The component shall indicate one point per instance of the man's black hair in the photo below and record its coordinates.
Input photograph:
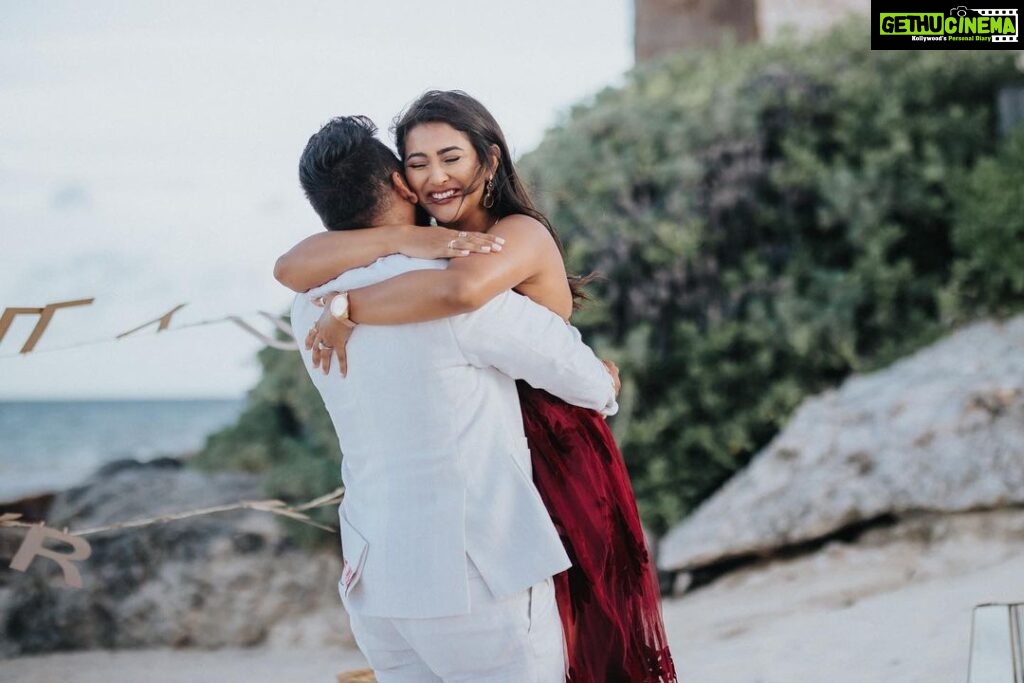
(345, 172)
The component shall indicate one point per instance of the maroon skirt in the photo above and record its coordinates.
(608, 599)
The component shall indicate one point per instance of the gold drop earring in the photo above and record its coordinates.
(489, 193)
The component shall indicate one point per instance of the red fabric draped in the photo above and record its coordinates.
(609, 599)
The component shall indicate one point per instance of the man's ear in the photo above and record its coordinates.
(402, 188)
(495, 159)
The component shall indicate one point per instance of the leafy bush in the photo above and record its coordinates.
(771, 219)
(988, 237)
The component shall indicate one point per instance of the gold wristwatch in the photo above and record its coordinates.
(339, 308)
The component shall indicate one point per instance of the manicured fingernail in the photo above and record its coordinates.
(486, 250)
(464, 252)
(497, 247)
(500, 240)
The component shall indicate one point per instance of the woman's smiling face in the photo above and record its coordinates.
(444, 171)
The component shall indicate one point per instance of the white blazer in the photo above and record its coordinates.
(435, 462)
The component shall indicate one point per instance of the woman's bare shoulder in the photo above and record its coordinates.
(547, 285)
(527, 230)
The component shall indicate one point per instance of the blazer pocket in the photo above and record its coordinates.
(353, 553)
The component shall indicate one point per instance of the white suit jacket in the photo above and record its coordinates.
(435, 462)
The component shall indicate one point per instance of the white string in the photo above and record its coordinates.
(274, 506)
(234, 318)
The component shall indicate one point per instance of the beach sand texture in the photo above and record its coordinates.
(849, 613)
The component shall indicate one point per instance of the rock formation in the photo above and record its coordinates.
(939, 431)
(215, 580)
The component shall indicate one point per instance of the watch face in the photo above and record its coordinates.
(339, 306)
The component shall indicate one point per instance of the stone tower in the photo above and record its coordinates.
(666, 26)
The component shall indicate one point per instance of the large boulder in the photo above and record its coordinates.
(941, 430)
(227, 578)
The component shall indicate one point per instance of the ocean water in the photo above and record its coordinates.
(48, 445)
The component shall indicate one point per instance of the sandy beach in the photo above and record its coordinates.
(898, 610)
(845, 615)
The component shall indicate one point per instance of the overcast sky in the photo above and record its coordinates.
(148, 155)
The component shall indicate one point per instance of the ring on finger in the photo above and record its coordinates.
(451, 244)
(323, 347)
(462, 235)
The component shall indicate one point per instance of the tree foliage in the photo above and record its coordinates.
(770, 219)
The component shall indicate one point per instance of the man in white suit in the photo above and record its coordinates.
(448, 549)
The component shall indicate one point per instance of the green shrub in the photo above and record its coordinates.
(771, 219)
(988, 237)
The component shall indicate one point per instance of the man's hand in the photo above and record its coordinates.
(614, 372)
(328, 337)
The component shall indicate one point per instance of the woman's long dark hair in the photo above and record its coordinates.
(466, 114)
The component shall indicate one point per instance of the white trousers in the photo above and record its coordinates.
(517, 639)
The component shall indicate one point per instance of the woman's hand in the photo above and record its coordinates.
(438, 242)
(328, 337)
